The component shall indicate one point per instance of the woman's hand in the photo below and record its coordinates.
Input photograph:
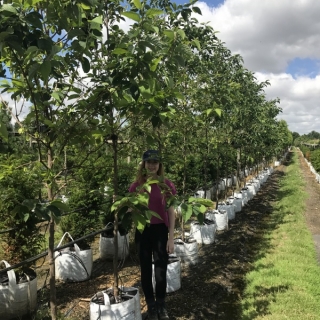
(170, 246)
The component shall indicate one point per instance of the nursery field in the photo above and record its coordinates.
(214, 288)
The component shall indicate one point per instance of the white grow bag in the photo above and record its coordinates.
(204, 233)
(199, 194)
(251, 190)
(173, 275)
(102, 309)
(17, 299)
(236, 202)
(230, 210)
(243, 195)
(221, 220)
(106, 247)
(73, 265)
(187, 251)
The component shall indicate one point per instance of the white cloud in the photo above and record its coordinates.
(269, 34)
(300, 99)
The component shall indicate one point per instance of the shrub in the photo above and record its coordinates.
(18, 183)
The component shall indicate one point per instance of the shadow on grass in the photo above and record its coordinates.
(262, 300)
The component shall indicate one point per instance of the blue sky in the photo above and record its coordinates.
(279, 42)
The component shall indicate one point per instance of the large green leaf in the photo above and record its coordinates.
(196, 10)
(119, 51)
(45, 70)
(154, 12)
(131, 15)
(137, 3)
(8, 9)
(85, 65)
(60, 205)
(139, 221)
(186, 211)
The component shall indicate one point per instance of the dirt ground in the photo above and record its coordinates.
(212, 289)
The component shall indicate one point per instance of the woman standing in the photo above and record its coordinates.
(157, 238)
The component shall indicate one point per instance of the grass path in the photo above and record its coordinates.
(285, 280)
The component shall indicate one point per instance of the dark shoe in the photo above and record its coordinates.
(163, 313)
(152, 313)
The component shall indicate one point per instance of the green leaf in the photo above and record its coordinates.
(119, 51)
(60, 205)
(196, 43)
(150, 213)
(85, 6)
(154, 12)
(34, 19)
(54, 209)
(8, 8)
(45, 44)
(96, 23)
(201, 208)
(137, 3)
(200, 218)
(143, 199)
(196, 10)
(218, 111)
(45, 70)
(131, 15)
(186, 211)
(30, 203)
(85, 65)
(75, 33)
(56, 96)
(154, 64)
(179, 60)
(33, 69)
(3, 131)
(26, 217)
(181, 33)
(139, 221)
(97, 20)
(169, 34)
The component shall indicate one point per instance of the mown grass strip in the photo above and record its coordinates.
(285, 280)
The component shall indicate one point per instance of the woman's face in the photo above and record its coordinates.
(152, 166)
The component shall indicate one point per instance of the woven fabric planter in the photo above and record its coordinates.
(221, 220)
(251, 190)
(106, 247)
(73, 264)
(230, 210)
(17, 299)
(236, 202)
(102, 308)
(173, 274)
(187, 251)
(203, 234)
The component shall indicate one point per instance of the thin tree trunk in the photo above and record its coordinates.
(116, 221)
(217, 184)
(52, 282)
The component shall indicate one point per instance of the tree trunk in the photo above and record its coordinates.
(116, 221)
(52, 282)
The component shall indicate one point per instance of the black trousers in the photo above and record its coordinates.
(153, 242)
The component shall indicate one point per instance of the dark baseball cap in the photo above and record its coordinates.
(151, 155)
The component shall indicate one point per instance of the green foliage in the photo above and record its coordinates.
(19, 180)
(195, 207)
(304, 149)
(315, 159)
